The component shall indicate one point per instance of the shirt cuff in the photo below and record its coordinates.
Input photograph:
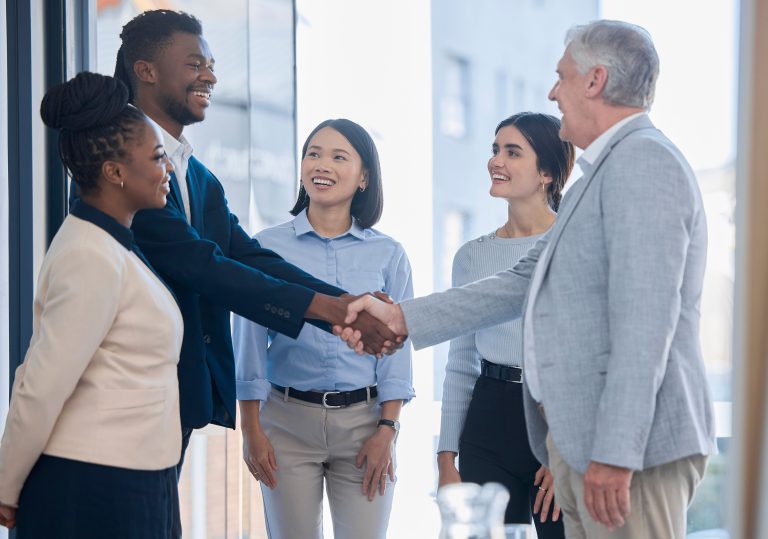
(449, 441)
(252, 390)
(390, 390)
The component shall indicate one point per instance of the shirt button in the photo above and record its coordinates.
(207, 339)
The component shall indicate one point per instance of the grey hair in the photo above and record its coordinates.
(626, 51)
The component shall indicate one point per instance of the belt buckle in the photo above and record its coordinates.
(325, 396)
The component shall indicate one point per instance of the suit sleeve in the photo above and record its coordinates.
(463, 310)
(248, 251)
(72, 324)
(649, 210)
(178, 252)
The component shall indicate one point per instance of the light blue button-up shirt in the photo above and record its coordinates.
(360, 260)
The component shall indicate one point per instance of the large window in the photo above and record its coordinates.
(248, 141)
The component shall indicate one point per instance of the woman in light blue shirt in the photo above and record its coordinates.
(313, 412)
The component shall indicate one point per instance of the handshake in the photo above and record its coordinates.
(368, 323)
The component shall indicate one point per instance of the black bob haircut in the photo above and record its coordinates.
(366, 205)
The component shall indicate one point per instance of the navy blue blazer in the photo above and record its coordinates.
(214, 267)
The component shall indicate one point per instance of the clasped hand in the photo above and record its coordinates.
(381, 309)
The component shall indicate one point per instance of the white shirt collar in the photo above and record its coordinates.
(174, 147)
(592, 151)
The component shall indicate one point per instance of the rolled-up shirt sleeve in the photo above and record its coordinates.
(250, 344)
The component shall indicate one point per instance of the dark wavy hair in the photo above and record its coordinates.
(94, 120)
(367, 205)
(146, 35)
(553, 155)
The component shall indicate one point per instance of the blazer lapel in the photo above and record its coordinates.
(574, 196)
(176, 193)
(195, 197)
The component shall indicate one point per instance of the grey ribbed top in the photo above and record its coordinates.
(503, 344)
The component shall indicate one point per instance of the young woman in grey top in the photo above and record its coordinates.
(482, 413)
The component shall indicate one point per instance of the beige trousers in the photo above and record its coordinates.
(315, 447)
(659, 498)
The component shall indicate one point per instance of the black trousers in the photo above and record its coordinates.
(67, 499)
(494, 447)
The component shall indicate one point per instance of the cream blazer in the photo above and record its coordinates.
(98, 383)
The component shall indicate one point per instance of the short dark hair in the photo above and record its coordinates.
(366, 205)
(95, 121)
(554, 156)
(146, 35)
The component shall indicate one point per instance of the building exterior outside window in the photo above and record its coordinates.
(455, 104)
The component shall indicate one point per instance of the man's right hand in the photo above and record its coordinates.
(366, 306)
(374, 336)
(446, 465)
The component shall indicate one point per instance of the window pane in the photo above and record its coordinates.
(248, 141)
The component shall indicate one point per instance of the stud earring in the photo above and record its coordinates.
(362, 188)
(122, 185)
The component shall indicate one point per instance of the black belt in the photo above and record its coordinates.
(330, 399)
(506, 373)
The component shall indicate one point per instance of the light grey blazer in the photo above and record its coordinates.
(616, 319)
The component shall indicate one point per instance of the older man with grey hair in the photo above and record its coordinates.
(616, 397)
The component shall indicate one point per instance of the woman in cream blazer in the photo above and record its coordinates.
(93, 432)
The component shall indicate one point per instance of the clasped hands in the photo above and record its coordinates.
(379, 308)
(368, 323)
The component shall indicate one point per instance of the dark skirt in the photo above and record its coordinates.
(64, 499)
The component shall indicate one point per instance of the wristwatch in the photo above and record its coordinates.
(395, 424)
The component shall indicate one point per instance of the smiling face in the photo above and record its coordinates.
(185, 79)
(569, 92)
(513, 167)
(331, 170)
(145, 170)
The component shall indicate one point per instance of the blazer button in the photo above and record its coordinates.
(273, 310)
(287, 314)
(207, 339)
(267, 306)
(280, 312)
